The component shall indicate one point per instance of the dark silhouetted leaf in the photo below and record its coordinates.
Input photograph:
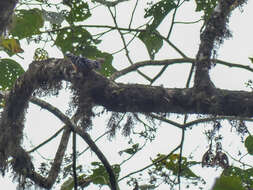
(152, 42)
(251, 59)
(131, 150)
(159, 11)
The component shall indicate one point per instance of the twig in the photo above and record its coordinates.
(181, 153)
(135, 66)
(74, 160)
(85, 136)
(46, 141)
(125, 44)
(187, 22)
(159, 74)
(173, 19)
(148, 166)
(132, 15)
(178, 125)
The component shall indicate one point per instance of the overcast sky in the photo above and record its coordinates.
(41, 124)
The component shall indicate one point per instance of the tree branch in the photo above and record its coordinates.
(110, 3)
(6, 11)
(215, 32)
(85, 136)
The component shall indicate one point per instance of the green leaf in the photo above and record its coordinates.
(80, 42)
(79, 11)
(11, 46)
(100, 175)
(172, 164)
(75, 40)
(107, 68)
(147, 187)
(251, 59)
(132, 150)
(27, 23)
(40, 54)
(152, 42)
(69, 184)
(249, 144)
(10, 70)
(159, 11)
(244, 175)
(207, 6)
(228, 183)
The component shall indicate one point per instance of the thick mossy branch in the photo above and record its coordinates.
(91, 88)
(214, 34)
(12, 118)
(45, 75)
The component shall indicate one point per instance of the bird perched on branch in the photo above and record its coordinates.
(82, 63)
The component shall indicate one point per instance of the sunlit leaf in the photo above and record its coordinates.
(249, 144)
(27, 23)
(40, 54)
(10, 70)
(11, 46)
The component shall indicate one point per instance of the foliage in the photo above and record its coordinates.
(98, 176)
(239, 176)
(10, 70)
(27, 23)
(158, 12)
(11, 46)
(206, 6)
(171, 164)
(249, 144)
(231, 182)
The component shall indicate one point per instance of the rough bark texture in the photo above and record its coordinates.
(6, 11)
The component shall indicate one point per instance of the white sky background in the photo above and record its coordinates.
(41, 124)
